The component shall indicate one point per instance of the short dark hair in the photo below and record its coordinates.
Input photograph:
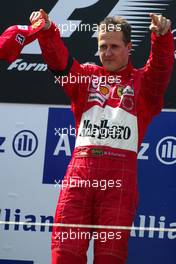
(116, 23)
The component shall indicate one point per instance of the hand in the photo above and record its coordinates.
(37, 15)
(159, 24)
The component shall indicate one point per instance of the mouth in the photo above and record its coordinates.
(108, 60)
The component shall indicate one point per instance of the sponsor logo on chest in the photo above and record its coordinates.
(104, 130)
(100, 91)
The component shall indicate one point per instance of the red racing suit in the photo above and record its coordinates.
(112, 112)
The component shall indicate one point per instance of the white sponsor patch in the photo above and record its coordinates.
(96, 97)
(113, 127)
(128, 90)
(23, 27)
(104, 90)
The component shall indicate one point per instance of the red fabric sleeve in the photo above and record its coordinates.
(53, 50)
(157, 71)
(61, 63)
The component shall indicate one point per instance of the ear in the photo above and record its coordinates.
(129, 46)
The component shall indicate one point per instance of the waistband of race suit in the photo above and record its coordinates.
(98, 151)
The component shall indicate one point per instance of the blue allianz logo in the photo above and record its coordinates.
(60, 143)
(166, 150)
(25, 143)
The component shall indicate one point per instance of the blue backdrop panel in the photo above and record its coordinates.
(157, 191)
(4, 261)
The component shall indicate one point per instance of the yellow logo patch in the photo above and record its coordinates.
(104, 90)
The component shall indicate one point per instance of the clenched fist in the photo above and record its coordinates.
(159, 24)
(41, 14)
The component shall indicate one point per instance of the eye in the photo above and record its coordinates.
(114, 46)
(102, 47)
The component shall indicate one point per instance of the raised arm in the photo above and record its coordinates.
(53, 50)
(57, 56)
(158, 69)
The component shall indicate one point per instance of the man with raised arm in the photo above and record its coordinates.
(112, 109)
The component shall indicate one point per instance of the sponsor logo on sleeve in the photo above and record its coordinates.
(20, 39)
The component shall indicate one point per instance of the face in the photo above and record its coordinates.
(113, 51)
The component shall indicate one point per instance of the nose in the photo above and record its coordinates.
(108, 51)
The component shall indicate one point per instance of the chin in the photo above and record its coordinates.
(110, 68)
